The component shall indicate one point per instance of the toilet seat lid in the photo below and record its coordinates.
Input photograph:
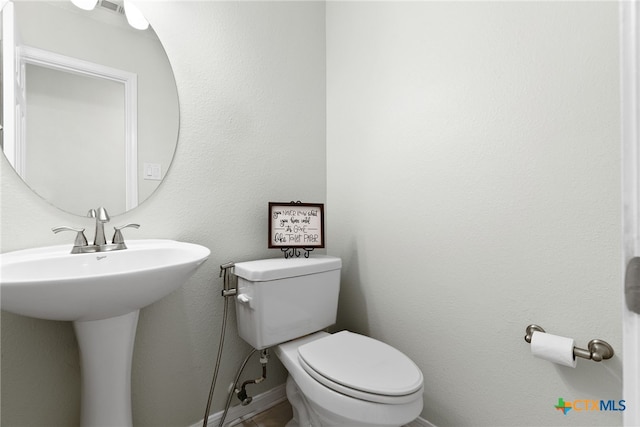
(362, 364)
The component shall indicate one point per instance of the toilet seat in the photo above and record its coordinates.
(362, 367)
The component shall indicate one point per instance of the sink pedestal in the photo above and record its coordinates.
(106, 351)
(102, 294)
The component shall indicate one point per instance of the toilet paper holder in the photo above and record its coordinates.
(598, 350)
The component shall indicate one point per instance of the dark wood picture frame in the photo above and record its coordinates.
(296, 225)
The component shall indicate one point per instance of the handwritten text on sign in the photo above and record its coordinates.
(296, 225)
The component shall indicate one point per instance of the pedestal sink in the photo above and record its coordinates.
(102, 294)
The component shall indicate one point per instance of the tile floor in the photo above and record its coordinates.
(276, 416)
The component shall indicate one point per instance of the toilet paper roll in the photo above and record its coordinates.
(553, 348)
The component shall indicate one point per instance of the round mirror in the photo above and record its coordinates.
(90, 106)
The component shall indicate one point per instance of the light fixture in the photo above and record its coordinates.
(85, 4)
(135, 18)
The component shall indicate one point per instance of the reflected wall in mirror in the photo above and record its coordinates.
(91, 114)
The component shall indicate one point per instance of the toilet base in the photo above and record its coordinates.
(315, 405)
(299, 405)
(306, 414)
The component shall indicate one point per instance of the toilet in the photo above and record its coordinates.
(341, 379)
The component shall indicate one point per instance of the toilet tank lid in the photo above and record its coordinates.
(280, 268)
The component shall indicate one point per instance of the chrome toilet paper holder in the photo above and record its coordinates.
(598, 350)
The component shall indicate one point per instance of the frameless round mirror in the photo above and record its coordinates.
(90, 106)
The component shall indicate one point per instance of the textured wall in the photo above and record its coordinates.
(474, 188)
(251, 82)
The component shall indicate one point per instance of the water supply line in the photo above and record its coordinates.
(242, 393)
(232, 389)
(225, 271)
(264, 357)
(228, 291)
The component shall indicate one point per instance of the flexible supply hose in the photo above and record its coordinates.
(227, 292)
(235, 381)
(217, 367)
(242, 393)
(224, 270)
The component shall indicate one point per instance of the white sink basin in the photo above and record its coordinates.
(102, 294)
(50, 283)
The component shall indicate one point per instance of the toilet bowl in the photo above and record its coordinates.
(346, 379)
(342, 379)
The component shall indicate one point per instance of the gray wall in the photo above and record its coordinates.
(474, 188)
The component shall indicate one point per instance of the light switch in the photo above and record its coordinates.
(153, 171)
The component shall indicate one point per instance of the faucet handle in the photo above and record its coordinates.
(81, 239)
(117, 236)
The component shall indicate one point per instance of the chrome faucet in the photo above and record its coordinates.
(81, 246)
(101, 217)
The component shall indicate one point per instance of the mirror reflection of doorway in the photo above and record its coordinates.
(73, 116)
(99, 44)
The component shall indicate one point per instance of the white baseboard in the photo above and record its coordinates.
(239, 413)
(264, 401)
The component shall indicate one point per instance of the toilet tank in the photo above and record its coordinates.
(281, 299)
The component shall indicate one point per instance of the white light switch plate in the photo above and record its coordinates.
(153, 171)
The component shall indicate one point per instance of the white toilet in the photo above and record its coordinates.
(342, 379)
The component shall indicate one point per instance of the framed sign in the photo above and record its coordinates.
(296, 225)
